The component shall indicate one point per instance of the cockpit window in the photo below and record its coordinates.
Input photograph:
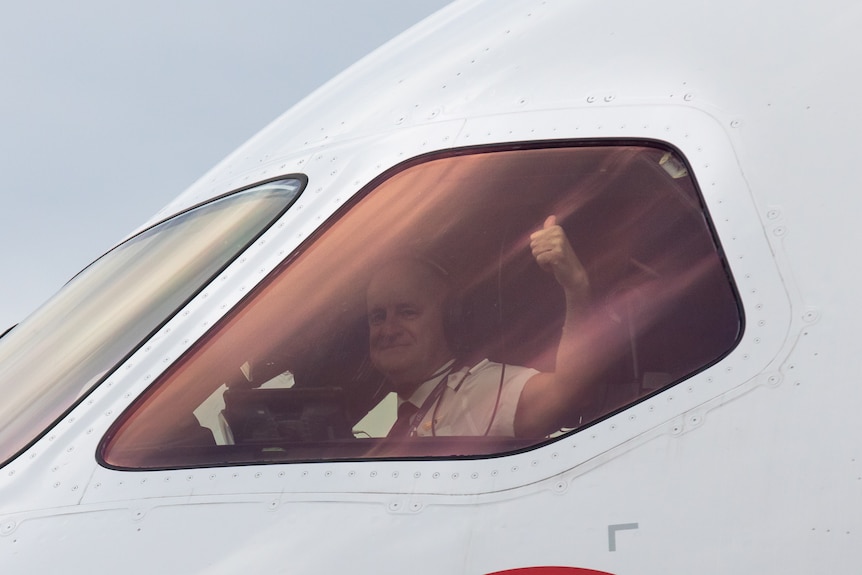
(469, 304)
(54, 357)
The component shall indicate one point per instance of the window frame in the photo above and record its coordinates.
(462, 151)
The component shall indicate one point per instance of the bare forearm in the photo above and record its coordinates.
(550, 398)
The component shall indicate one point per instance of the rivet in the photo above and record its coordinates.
(811, 316)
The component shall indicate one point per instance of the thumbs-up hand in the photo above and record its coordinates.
(554, 254)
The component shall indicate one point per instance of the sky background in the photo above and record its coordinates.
(109, 109)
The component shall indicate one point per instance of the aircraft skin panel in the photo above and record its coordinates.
(516, 68)
(750, 465)
(643, 421)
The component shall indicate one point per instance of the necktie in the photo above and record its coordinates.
(402, 424)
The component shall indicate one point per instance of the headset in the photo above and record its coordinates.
(454, 320)
(454, 328)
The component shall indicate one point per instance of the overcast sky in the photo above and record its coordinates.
(109, 109)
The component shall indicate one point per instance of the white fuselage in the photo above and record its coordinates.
(751, 465)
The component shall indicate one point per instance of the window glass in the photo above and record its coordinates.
(60, 352)
(503, 297)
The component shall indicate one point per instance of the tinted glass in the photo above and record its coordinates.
(305, 369)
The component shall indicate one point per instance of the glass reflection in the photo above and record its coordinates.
(436, 283)
(61, 351)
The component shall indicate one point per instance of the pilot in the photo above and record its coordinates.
(406, 301)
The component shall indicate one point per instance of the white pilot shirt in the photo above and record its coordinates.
(470, 400)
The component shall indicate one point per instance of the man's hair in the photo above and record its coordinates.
(452, 309)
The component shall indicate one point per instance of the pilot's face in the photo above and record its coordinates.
(405, 318)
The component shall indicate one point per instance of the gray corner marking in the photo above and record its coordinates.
(612, 533)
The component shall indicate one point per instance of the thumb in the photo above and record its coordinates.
(549, 222)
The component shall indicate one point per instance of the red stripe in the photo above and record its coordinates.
(550, 571)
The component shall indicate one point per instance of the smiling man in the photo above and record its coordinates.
(408, 301)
